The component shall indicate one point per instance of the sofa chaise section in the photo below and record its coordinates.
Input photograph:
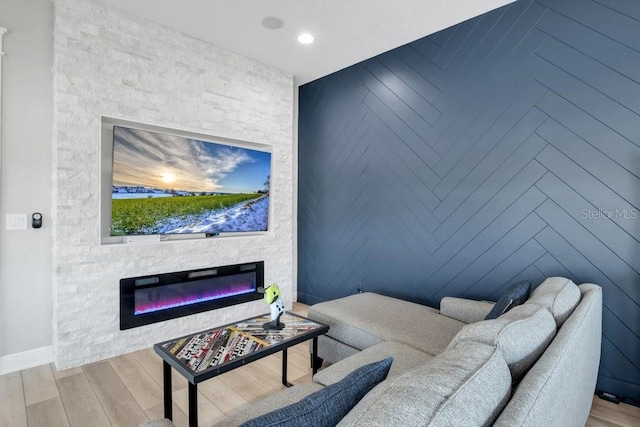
(363, 320)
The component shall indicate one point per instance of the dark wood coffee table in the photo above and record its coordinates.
(203, 355)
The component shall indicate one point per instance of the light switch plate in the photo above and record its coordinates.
(16, 222)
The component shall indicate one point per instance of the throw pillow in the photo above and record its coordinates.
(517, 294)
(328, 406)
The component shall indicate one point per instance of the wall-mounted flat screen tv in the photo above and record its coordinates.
(170, 184)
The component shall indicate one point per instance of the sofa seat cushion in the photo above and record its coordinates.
(467, 385)
(559, 295)
(522, 334)
(405, 358)
(279, 400)
(366, 319)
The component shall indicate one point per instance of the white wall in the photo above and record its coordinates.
(110, 63)
(25, 287)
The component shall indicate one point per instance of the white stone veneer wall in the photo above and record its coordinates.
(107, 62)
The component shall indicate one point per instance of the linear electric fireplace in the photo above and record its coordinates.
(150, 299)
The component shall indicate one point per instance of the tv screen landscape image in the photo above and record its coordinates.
(169, 184)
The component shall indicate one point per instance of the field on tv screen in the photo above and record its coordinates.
(189, 214)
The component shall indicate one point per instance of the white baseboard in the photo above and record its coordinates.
(26, 359)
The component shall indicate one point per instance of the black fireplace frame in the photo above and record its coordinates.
(129, 285)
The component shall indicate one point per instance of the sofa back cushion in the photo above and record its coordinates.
(467, 385)
(558, 295)
(522, 334)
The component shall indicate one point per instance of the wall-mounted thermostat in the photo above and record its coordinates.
(36, 220)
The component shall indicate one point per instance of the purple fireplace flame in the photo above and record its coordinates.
(171, 296)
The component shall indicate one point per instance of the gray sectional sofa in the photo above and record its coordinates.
(535, 365)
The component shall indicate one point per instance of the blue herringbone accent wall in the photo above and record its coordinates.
(504, 148)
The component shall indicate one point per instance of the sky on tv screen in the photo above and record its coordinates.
(157, 160)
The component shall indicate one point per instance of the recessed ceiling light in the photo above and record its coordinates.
(305, 38)
(272, 23)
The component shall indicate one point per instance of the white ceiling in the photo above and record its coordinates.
(346, 31)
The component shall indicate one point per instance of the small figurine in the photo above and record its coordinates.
(272, 297)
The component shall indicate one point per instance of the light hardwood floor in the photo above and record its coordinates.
(127, 390)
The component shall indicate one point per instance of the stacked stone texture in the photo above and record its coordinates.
(110, 63)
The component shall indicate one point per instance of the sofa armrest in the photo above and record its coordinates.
(465, 310)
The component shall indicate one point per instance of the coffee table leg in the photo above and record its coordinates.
(166, 379)
(314, 356)
(284, 369)
(193, 405)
